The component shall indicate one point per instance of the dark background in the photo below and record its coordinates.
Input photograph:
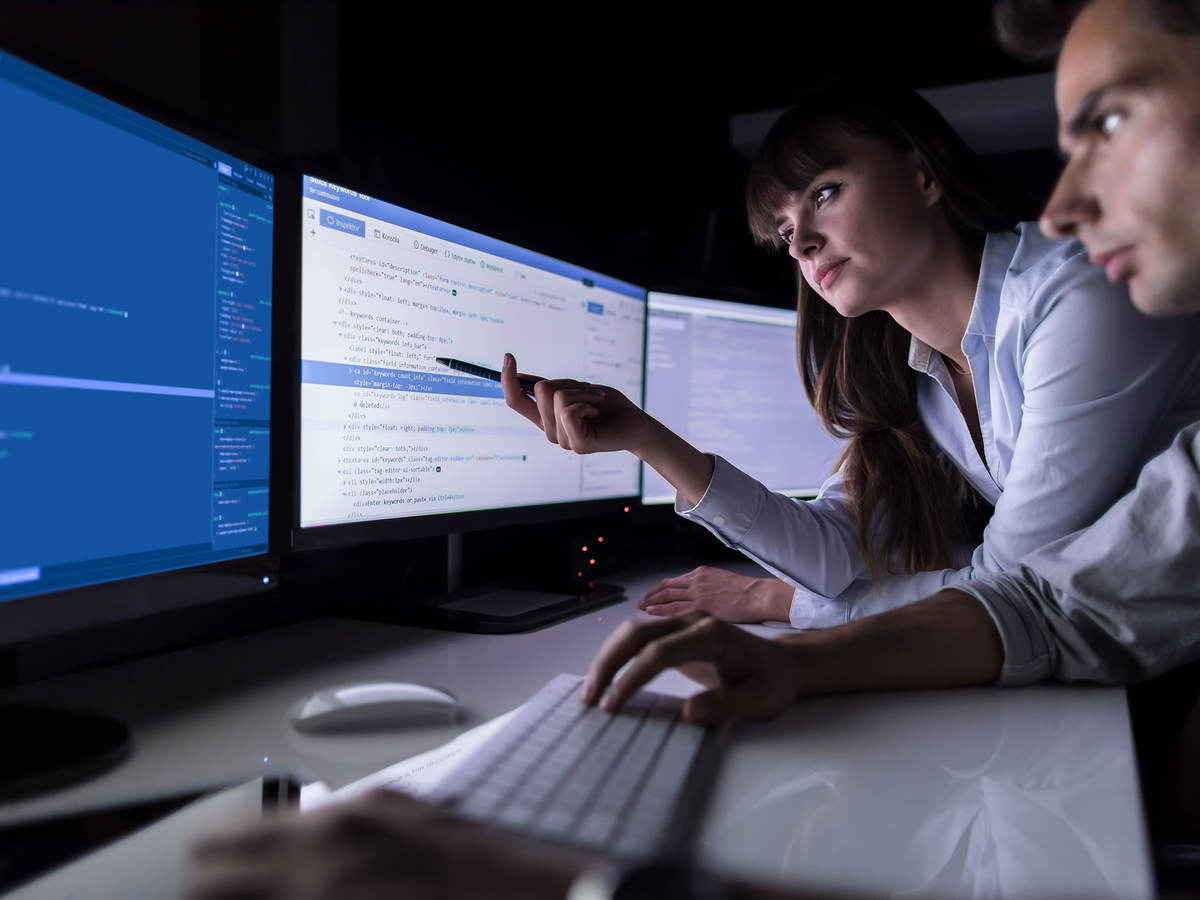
(592, 134)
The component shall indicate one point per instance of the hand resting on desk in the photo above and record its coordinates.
(726, 595)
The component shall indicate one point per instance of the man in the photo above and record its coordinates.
(1117, 602)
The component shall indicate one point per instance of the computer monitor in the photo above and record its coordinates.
(723, 375)
(135, 374)
(393, 443)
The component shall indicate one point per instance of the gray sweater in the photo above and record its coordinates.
(1117, 602)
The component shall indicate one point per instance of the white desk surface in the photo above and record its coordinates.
(981, 792)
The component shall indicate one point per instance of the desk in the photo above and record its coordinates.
(974, 792)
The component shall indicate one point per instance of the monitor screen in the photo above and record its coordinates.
(387, 433)
(135, 346)
(723, 375)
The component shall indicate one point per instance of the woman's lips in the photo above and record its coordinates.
(828, 276)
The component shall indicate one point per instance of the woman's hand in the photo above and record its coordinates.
(586, 418)
(589, 418)
(748, 677)
(381, 845)
(726, 595)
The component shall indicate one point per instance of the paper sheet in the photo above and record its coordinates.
(417, 775)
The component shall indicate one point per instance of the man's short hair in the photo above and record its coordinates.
(1036, 29)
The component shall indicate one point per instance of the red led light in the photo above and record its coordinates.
(591, 562)
(627, 509)
(584, 549)
(599, 540)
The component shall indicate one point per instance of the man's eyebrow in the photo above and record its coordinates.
(1079, 121)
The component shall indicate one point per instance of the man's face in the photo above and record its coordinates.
(1128, 98)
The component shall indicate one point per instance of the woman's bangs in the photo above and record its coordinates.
(793, 153)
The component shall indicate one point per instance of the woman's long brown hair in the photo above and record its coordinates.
(908, 500)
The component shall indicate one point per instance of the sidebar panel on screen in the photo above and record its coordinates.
(241, 424)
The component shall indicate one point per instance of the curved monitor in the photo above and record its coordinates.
(135, 347)
(723, 376)
(392, 443)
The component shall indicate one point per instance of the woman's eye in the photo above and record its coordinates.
(822, 195)
(786, 237)
(1108, 123)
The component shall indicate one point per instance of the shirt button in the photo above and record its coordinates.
(718, 521)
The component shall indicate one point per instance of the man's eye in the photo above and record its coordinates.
(1108, 123)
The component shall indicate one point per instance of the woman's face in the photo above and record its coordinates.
(863, 231)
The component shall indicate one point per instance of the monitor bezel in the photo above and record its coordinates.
(288, 207)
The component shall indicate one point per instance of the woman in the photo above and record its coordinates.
(960, 353)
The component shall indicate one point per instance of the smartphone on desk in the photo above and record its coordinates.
(133, 849)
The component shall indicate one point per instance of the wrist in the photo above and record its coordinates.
(771, 599)
(810, 663)
(648, 440)
(685, 468)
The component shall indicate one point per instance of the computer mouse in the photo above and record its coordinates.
(384, 704)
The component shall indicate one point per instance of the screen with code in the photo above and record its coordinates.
(385, 430)
(723, 375)
(135, 342)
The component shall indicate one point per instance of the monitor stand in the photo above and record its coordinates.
(504, 609)
(45, 748)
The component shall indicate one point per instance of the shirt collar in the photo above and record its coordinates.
(920, 355)
(998, 252)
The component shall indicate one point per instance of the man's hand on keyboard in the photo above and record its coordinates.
(381, 845)
(748, 677)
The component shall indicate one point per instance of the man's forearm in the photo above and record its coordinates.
(945, 640)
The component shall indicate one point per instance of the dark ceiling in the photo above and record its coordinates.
(596, 135)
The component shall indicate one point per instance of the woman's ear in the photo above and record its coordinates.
(930, 190)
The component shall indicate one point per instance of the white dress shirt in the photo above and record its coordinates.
(1075, 391)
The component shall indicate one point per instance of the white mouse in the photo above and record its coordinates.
(384, 704)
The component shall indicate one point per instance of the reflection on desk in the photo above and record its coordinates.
(1028, 794)
(1024, 792)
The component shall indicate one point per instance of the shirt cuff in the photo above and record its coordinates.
(730, 503)
(811, 610)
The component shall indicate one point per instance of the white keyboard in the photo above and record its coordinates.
(630, 784)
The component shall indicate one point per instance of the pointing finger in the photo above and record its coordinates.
(516, 398)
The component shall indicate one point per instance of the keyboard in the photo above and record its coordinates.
(630, 784)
